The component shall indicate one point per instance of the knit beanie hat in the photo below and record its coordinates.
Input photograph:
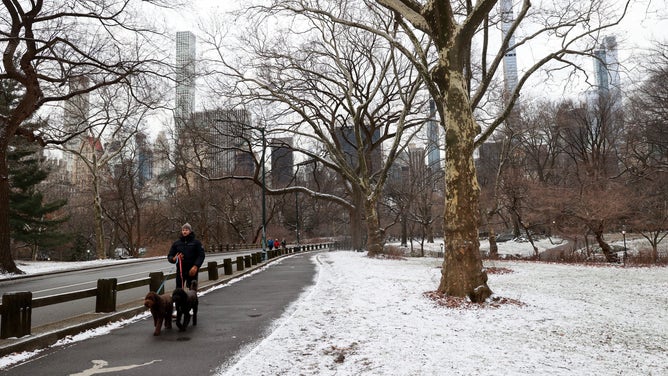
(187, 225)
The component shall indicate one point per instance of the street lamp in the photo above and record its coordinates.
(624, 237)
(297, 216)
(264, 205)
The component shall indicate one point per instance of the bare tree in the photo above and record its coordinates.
(343, 93)
(114, 114)
(646, 153)
(438, 38)
(127, 195)
(459, 91)
(48, 44)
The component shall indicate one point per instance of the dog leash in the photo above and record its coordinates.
(180, 261)
(161, 285)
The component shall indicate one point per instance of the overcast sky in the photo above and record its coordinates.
(644, 25)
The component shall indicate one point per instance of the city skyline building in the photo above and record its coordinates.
(433, 151)
(144, 160)
(606, 73)
(75, 117)
(223, 133)
(282, 162)
(186, 55)
(510, 57)
(348, 142)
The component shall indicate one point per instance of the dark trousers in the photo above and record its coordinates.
(188, 280)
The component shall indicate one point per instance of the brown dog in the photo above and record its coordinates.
(184, 302)
(161, 307)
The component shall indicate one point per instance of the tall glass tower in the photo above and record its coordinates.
(606, 70)
(510, 58)
(185, 77)
(433, 152)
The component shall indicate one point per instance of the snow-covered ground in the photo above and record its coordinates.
(370, 317)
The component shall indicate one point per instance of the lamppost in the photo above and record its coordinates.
(297, 216)
(264, 205)
(624, 237)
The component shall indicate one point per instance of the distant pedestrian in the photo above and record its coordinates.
(283, 244)
(270, 244)
(188, 255)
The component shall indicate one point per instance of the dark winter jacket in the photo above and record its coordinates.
(193, 252)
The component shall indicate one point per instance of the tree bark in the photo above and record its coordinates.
(610, 256)
(356, 241)
(493, 247)
(7, 263)
(374, 242)
(99, 225)
(462, 273)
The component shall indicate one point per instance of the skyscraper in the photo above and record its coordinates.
(144, 160)
(510, 58)
(433, 152)
(77, 107)
(606, 71)
(350, 149)
(282, 162)
(221, 135)
(185, 78)
(75, 119)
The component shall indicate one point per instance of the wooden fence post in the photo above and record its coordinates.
(240, 263)
(227, 266)
(16, 314)
(156, 282)
(213, 270)
(106, 295)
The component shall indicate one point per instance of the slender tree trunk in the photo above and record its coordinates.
(404, 230)
(99, 225)
(430, 231)
(462, 273)
(493, 247)
(610, 256)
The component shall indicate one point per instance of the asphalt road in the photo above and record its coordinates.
(229, 318)
(75, 280)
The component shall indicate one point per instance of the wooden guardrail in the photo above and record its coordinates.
(16, 307)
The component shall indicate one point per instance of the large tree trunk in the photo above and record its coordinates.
(462, 273)
(356, 238)
(7, 263)
(356, 222)
(375, 239)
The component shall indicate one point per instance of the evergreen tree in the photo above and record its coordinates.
(32, 221)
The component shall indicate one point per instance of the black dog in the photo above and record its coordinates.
(184, 302)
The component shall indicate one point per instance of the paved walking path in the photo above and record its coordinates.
(229, 319)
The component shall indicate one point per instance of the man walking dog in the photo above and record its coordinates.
(188, 255)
